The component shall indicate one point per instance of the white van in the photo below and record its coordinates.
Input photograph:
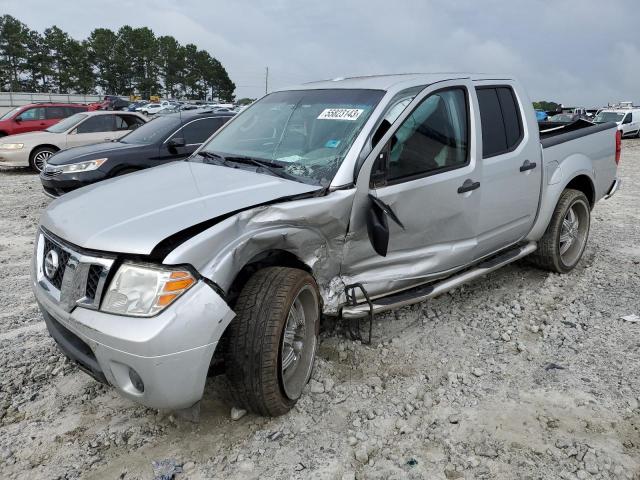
(627, 118)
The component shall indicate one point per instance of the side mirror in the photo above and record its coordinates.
(176, 142)
(73, 132)
(18, 119)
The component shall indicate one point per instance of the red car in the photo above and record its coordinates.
(36, 116)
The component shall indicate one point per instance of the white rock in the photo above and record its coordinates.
(361, 454)
(316, 387)
(237, 413)
(478, 372)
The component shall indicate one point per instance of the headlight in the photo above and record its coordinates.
(82, 166)
(11, 146)
(143, 291)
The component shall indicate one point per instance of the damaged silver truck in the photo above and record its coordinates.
(346, 197)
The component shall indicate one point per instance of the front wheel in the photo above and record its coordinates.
(39, 158)
(563, 244)
(273, 339)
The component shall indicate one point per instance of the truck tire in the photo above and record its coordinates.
(272, 341)
(562, 245)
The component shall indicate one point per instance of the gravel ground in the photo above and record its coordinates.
(523, 374)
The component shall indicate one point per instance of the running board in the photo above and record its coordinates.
(419, 294)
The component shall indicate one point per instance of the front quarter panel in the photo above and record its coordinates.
(312, 229)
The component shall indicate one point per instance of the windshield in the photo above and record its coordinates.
(562, 117)
(306, 133)
(67, 123)
(10, 113)
(154, 131)
(604, 117)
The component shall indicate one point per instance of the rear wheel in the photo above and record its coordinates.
(563, 244)
(272, 341)
(39, 158)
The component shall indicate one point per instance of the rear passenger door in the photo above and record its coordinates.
(54, 115)
(510, 168)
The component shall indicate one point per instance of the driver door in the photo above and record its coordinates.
(420, 184)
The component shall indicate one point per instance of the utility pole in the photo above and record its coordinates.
(266, 81)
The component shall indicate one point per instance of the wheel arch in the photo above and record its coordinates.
(44, 145)
(269, 258)
(584, 184)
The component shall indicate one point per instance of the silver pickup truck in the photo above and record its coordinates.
(345, 198)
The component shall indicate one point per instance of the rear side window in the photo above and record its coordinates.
(128, 122)
(501, 121)
(199, 130)
(55, 112)
(73, 110)
(98, 123)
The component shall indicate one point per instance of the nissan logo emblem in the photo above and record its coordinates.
(51, 264)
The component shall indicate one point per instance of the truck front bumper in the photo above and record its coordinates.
(160, 362)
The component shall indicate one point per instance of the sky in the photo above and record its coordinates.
(575, 52)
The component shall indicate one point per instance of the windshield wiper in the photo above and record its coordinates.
(271, 167)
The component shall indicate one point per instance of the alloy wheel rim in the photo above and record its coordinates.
(41, 159)
(573, 233)
(298, 346)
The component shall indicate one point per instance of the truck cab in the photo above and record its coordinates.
(345, 198)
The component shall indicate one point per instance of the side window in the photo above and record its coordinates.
(127, 122)
(627, 119)
(32, 114)
(433, 138)
(199, 130)
(53, 113)
(99, 123)
(500, 119)
(68, 111)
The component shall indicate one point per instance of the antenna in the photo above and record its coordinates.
(266, 80)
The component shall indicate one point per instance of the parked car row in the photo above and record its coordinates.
(160, 141)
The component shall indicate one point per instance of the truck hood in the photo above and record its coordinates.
(91, 152)
(134, 213)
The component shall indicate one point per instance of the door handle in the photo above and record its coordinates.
(468, 185)
(527, 165)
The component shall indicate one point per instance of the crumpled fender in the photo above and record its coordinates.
(312, 229)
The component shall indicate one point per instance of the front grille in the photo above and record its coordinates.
(79, 276)
(63, 258)
(93, 278)
(51, 174)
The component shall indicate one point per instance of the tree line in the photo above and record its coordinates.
(130, 61)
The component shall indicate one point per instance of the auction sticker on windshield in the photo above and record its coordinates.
(340, 114)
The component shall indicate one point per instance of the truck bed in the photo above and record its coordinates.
(554, 134)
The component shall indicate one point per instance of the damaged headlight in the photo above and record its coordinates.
(143, 291)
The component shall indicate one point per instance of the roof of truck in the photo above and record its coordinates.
(393, 81)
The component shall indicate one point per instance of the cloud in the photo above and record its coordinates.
(580, 52)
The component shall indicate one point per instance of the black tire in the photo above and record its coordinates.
(548, 255)
(3, 134)
(253, 356)
(35, 158)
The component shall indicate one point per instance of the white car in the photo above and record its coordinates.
(628, 119)
(153, 108)
(34, 149)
